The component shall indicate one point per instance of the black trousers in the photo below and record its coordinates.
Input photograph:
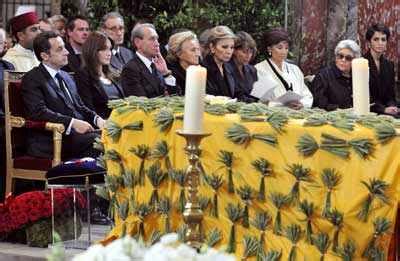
(79, 145)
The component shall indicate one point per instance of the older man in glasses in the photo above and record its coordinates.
(112, 25)
(332, 86)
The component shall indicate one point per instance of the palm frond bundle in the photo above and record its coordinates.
(364, 147)
(315, 120)
(101, 161)
(279, 200)
(251, 110)
(334, 145)
(227, 158)
(293, 233)
(161, 151)
(331, 179)
(277, 120)
(272, 255)
(164, 207)
(234, 213)
(250, 247)
(307, 145)
(179, 176)
(213, 237)
(142, 151)
(382, 226)
(262, 166)
(215, 182)
(111, 182)
(113, 130)
(335, 217)
(385, 132)
(154, 237)
(165, 118)
(246, 194)
(216, 109)
(204, 202)
(123, 208)
(240, 135)
(308, 209)
(142, 210)
(301, 174)
(234, 107)
(156, 177)
(262, 221)
(322, 242)
(377, 189)
(98, 145)
(343, 124)
(113, 155)
(347, 250)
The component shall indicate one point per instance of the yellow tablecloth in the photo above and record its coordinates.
(347, 198)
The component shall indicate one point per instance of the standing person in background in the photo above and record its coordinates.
(96, 81)
(381, 71)
(25, 28)
(183, 51)
(244, 73)
(59, 22)
(45, 25)
(77, 33)
(285, 76)
(112, 24)
(220, 79)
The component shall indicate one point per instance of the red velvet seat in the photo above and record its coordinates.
(19, 164)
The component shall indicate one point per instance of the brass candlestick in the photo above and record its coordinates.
(193, 215)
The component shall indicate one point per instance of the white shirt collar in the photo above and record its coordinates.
(51, 71)
(116, 50)
(20, 47)
(145, 60)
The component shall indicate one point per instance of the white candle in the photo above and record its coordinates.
(195, 90)
(360, 75)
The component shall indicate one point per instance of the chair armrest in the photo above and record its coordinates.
(57, 129)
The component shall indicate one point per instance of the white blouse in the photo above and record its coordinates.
(291, 74)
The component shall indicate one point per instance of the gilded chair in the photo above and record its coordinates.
(17, 127)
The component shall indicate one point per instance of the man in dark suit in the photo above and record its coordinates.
(112, 24)
(77, 34)
(147, 73)
(50, 94)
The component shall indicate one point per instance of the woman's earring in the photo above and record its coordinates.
(270, 53)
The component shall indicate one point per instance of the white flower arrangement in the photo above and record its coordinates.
(167, 249)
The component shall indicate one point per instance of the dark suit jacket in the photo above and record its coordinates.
(381, 84)
(245, 83)
(119, 61)
(215, 79)
(74, 60)
(180, 75)
(93, 94)
(44, 101)
(137, 80)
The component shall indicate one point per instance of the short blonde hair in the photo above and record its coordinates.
(218, 33)
(175, 44)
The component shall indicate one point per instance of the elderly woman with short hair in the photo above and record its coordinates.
(280, 75)
(183, 51)
(332, 86)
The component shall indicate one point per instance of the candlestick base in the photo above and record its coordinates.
(193, 215)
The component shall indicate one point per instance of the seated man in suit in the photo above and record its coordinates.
(50, 94)
(147, 73)
(112, 24)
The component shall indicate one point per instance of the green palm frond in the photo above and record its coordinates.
(164, 207)
(101, 161)
(246, 193)
(215, 182)
(164, 119)
(322, 242)
(250, 247)
(98, 144)
(377, 189)
(262, 220)
(363, 147)
(266, 138)
(213, 237)
(347, 251)
(156, 177)
(382, 226)
(301, 174)
(204, 202)
(179, 176)
(238, 134)
(251, 110)
(103, 192)
(335, 217)
(216, 109)
(113, 130)
(315, 120)
(227, 158)
(385, 132)
(343, 124)
(308, 209)
(142, 151)
(123, 208)
(334, 145)
(331, 179)
(161, 151)
(129, 178)
(272, 255)
(136, 125)
(293, 233)
(112, 182)
(279, 200)
(234, 107)
(277, 120)
(154, 237)
(113, 155)
(262, 166)
(307, 145)
(143, 210)
(234, 213)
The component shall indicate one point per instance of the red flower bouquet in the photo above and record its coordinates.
(24, 211)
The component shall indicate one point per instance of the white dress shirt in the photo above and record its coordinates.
(170, 80)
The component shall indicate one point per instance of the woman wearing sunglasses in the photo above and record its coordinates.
(381, 71)
(332, 86)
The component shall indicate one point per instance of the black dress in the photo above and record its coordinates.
(332, 90)
(381, 84)
(180, 75)
(245, 81)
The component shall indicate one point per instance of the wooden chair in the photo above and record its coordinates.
(17, 127)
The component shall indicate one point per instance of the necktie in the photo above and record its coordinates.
(63, 88)
(153, 69)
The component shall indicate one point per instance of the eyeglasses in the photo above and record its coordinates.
(348, 58)
(116, 28)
